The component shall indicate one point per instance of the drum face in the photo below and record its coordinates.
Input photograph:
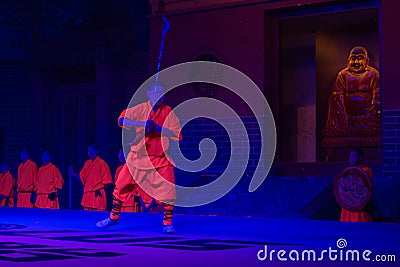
(352, 189)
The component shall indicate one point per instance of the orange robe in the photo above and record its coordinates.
(49, 181)
(129, 205)
(94, 175)
(148, 163)
(358, 216)
(27, 176)
(7, 188)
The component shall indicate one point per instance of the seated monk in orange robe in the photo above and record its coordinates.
(49, 181)
(7, 186)
(27, 176)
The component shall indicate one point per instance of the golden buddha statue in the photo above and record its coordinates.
(354, 104)
(355, 100)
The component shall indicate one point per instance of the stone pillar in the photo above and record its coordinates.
(390, 85)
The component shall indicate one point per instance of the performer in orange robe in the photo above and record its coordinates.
(48, 182)
(7, 187)
(94, 175)
(355, 159)
(148, 163)
(27, 175)
(129, 205)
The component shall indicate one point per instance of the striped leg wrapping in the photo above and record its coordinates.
(116, 209)
(168, 213)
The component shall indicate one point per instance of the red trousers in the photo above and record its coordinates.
(155, 183)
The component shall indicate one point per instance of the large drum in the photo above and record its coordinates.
(352, 189)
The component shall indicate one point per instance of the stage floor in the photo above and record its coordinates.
(58, 238)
